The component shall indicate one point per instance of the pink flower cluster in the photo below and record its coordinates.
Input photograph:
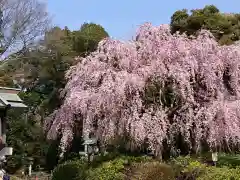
(104, 91)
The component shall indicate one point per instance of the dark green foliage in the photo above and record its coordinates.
(98, 160)
(179, 21)
(117, 167)
(71, 170)
(152, 171)
(111, 170)
(188, 168)
(27, 139)
(225, 27)
(157, 92)
(230, 160)
(224, 173)
(49, 65)
(87, 38)
(43, 70)
(52, 155)
(26, 133)
(210, 9)
(113, 166)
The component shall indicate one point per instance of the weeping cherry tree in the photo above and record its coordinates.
(155, 88)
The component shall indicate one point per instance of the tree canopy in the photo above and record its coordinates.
(86, 39)
(225, 27)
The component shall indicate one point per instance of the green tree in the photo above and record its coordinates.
(225, 27)
(41, 71)
(179, 21)
(87, 38)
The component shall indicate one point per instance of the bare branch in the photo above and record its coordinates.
(22, 21)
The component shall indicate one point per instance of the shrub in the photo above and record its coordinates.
(71, 170)
(224, 173)
(14, 178)
(191, 169)
(112, 170)
(187, 168)
(113, 166)
(180, 163)
(228, 160)
(98, 160)
(138, 159)
(152, 171)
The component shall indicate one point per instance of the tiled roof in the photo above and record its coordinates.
(9, 97)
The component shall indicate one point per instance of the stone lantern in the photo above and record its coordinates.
(90, 148)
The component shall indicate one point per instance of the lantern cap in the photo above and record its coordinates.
(90, 141)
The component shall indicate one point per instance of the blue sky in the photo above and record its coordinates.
(121, 18)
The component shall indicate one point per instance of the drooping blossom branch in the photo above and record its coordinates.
(156, 87)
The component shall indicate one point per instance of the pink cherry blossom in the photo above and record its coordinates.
(107, 88)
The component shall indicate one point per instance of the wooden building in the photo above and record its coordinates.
(8, 99)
